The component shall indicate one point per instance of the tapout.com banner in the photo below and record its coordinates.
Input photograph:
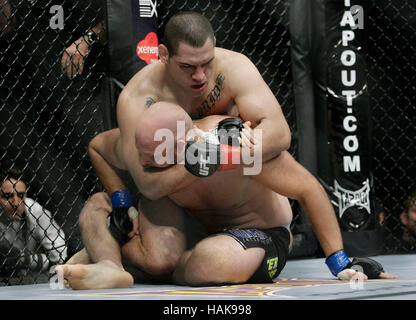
(349, 113)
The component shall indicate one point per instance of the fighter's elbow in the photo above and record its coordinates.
(285, 140)
(92, 148)
(94, 142)
(283, 144)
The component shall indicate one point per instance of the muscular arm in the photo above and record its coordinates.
(104, 151)
(256, 103)
(153, 184)
(287, 177)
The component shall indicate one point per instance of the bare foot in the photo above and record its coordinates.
(81, 257)
(102, 275)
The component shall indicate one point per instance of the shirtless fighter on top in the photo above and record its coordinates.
(203, 80)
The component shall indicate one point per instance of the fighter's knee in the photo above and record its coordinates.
(97, 205)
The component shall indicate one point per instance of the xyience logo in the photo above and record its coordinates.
(147, 8)
(357, 198)
(147, 49)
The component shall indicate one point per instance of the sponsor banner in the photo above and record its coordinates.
(147, 49)
(145, 38)
(349, 114)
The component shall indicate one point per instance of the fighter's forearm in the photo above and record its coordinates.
(323, 219)
(104, 167)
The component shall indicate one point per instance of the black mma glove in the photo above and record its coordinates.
(203, 159)
(371, 268)
(121, 216)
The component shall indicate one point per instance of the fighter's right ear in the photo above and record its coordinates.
(163, 53)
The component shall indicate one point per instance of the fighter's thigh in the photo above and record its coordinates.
(221, 258)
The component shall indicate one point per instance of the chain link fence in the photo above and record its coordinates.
(48, 115)
(391, 46)
(50, 108)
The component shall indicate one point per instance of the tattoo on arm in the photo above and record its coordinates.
(149, 102)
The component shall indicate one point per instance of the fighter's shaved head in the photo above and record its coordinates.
(160, 115)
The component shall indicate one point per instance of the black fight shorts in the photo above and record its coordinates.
(274, 241)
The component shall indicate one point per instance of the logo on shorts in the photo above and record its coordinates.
(348, 198)
(272, 266)
(147, 49)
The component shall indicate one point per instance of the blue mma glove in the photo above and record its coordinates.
(121, 216)
(337, 262)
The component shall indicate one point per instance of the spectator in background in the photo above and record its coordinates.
(399, 231)
(52, 67)
(7, 20)
(408, 221)
(30, 239)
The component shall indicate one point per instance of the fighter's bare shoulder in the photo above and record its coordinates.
(229, 56)
(143, 88)
(234, 65)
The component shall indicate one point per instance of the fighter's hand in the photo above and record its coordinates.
(351, 274)
(198, 135)
(73, 58)
(363, 269)
(134, 218)
(124, 217)
(247, 139)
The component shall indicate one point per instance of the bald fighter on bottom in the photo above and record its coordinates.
(246, 217)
